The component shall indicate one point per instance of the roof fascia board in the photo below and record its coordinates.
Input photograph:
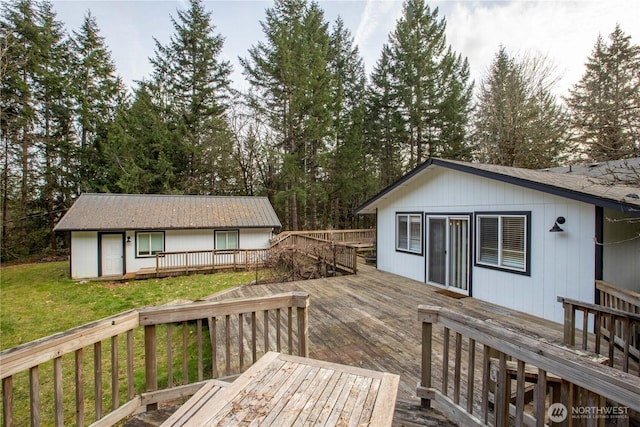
(545, 188)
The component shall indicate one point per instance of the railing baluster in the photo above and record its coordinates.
(471, 363)
(57, 392)
(457, 369)
(213, 333)
(502, 392)
(585, 328)
(169, 355)
(185, 354)
(486, 377)
(520, 392)
(115, 396)
(278, 346)
(227, 343)
(34, 396)
(254, 355)
(290, 329)
(241, 341)
(541, 397)
(150, 362)
(79, 378)
(97, 374)
(199, 343)
(445, 361)
(7, 401)
(266, 330)
(130, 376)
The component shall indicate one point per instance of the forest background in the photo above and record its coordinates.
(313, 132)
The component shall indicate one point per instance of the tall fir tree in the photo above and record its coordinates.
(518, 121)
(605, 103)
(385, 133)
(431, 82)
(291, 82)
(349, 181)
(21, 165)
(98, 92)
(194, 83)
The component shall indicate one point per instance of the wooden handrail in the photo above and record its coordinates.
(619, 328)
(226, 321)
(579, 374)
(614, 297)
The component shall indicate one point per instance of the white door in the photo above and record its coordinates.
(112, 259)
(448, 250)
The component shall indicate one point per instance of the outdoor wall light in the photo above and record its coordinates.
(556, 228)
(128, 240)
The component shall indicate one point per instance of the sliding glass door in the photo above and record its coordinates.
(448, 251)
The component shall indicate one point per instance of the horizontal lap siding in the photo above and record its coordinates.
(561, 263)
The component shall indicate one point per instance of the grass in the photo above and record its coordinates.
(37, 300)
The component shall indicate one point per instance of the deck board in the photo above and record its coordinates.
(369, 320)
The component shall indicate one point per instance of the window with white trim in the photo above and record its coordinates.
(227, 239)
(502, 241)
(409, 233)
(148, 244)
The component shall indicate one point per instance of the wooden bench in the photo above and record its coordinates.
(282, 390)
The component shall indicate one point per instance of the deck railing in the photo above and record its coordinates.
(487, 374)
(612, 329)
(339, 256)
(611, 296)
(210, 260)
(343, 236)
(120, 378)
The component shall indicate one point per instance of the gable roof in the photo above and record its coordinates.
(587, 189)
(103, 212)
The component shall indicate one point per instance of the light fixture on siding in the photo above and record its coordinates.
(556, 228)
(128, 240)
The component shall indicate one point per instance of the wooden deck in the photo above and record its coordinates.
(369, 320)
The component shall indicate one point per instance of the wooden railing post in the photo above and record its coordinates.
(428, 316)
(303, 329)
(150, 362)
(569, 322)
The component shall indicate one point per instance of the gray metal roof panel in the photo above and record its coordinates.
(163, 212)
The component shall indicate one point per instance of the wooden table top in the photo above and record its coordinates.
(282, 390)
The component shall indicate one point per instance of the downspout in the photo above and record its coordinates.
(599, 250)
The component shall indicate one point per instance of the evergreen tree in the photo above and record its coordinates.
(141, 147)
(605, 103)
(194, 84)
(98, 92)
(431, 83)
(55, 111)
(348, 172)
(518, 121)
(20, 34)
(385, 132)
(291, 81)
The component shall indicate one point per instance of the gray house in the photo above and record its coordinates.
(115, 234)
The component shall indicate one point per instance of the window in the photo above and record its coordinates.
(503, 241)
(227, 239)
(409, 232)
(148, 244)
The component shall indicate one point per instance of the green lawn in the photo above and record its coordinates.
(37, 300)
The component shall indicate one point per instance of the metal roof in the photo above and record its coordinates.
(586, 189)
(98, 212)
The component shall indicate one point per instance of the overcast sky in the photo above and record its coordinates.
(564, 31)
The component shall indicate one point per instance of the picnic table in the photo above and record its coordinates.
(283, 390)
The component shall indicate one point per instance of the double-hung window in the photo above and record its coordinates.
(227, 239)
(409, 232)
(503, 241)
(148, 244)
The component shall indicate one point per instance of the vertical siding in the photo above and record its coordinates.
(621, 250)
(84, 254)
(562, 264)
